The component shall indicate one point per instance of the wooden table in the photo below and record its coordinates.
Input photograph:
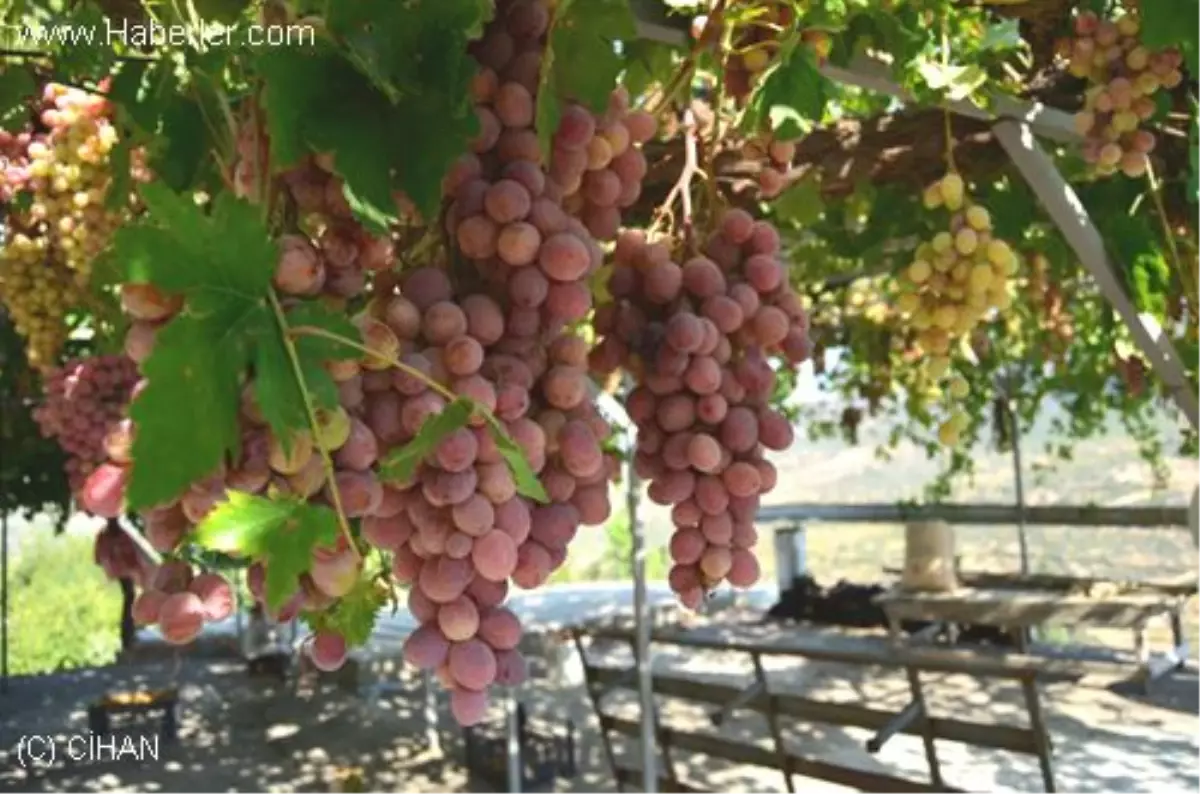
(1021, 608)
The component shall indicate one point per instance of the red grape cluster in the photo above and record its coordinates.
(14, 164)
(463, 531)
(82, 407)
(181, 602)
(699, 338)
(1124, 76)
(776, 158)
(605, 175)
(118, 556)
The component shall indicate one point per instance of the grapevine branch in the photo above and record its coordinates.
(683, 186)
(312, 330)
(326, 459)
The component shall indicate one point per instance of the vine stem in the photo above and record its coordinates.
(688, 67)
(682, 189)
(1185, 275)
(326, 458)
(312, 330)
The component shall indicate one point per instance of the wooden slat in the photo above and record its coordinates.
(1000, 737)
(741, 753)
(1184, 585)
(632, 776)
(1144, 517)
(1005, 606)
(829, 646)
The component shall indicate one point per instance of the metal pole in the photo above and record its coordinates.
(514, 739)
(642, 623)
(432, 735)
(4, 602)
(1018, 478)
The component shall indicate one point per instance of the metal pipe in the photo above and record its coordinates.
(1143, 518)
(4, 601)
(1019, 482)
(513, 729)
(642, 627)
(432, 735)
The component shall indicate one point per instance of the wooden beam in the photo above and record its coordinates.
(740, 753)
(804, 709)
(1149, 517)
(874, 74)
(1072, 219)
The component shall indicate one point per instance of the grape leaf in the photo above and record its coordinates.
(527, 481)
(281, 532)
(16, 86)
(791, 96)
(276, 389)
(395, 107)
(1172, 23)
(801, 203)
(400, 464)
(581, 61)
(354, 614)
(221, 10)
(222, 265)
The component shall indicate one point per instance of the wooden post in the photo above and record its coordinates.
(790, 548)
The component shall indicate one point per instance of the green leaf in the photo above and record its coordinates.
(1172, 23)
(222, 265)
(187, 416)
(527, 481)
(16, 87)
(791, 97)
(1004, 35)
(281, 532)
(581, 61)
(401, 464)
(802, 203)
(275, 386)
(393, 104)
(954, 82)
(224, 11)
(354, 614)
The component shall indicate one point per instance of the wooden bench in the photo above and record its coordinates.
(113, 704)
(821, 646)
(1019, 603)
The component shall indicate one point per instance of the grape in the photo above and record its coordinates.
(426, 648)
(495, 555)
(216, 595)
(474, 516)
(443, 579)
(519, 243)
(442, 322)
(477, 236)
(472, 664)
(564, 257)
(360, 492)
(459, 619)
(147, 607)
(103, 493)
(388, 533)
(360, 450)
(468, 706)
(528, 288)
(181, 617)
(514, 105)
(327, 651)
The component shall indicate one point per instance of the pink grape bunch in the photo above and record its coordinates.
(699, 338)
(459, 531)
(1123, 77)
(181, 602)
(605, 175)
(82, 407)
(115, 553)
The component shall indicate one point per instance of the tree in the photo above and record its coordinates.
(370, 260)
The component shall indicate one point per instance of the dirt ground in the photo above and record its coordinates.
(241, 734)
